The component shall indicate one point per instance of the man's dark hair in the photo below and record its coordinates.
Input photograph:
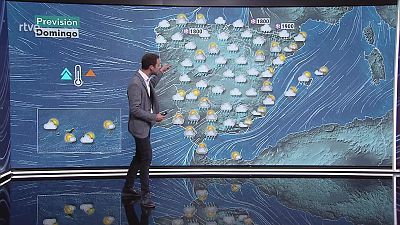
(149, 59)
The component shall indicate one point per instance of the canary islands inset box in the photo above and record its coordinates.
(79, 130)
(79, 208)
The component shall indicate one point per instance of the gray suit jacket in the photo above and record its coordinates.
(140, 117)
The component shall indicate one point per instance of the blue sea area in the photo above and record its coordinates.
(111, 43)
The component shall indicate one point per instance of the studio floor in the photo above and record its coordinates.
(203, 201)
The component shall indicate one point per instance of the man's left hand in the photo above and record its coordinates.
(165, 68)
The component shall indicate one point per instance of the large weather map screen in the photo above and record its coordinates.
(306, 86)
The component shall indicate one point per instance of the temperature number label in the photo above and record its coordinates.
(263, 21)
(287, 26)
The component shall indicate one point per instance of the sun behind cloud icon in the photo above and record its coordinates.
(108, 125)
(69, 138)
(88, 138)
(235, 155)
(52, 124)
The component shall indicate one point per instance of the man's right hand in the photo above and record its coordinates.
(159, 117)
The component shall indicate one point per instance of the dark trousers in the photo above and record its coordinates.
(141, 161)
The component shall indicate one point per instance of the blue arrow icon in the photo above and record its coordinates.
(66, 75)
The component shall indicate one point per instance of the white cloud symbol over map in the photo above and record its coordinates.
(220, 21)
(246, 34)
(161, 39)
(238, 23)
(266, 28)
(177, 37)
(190, 46)
(164, 24)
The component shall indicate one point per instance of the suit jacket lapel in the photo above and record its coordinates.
(144, 84)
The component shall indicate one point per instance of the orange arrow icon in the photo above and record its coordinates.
(90, 73)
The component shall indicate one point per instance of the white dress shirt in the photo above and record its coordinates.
(147, 81)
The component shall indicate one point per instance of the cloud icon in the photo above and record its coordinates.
(228, 73)
(305, 77)
(200, 57)
(262, 109)
(275, 47)
(191, 96)
(251, 92)
(220, 60)
(50, 126)
(235, 92)
(181, 20)
(178, 97)
(87, 208)
(211, 131)
(108, 125)
(240, 79)
(204, 103)
(243, 125)
(267, 86)
(318, 73)
(241, 109)
(223, 36)
(246, 34)
(161, 39)
(184, 78)
(283, 34)
(164, 24)
(278, 61)
(201, 150)
(234, 156)
(259, 40)
(260, 58)
(204, 34)
(50, 221)
(189, 132)
(190, 46)
(232, 48)
(203, 69)
(177, 37)
(268, 73)
(193, 116)
(87, 139)
(290, 93)
(213, 50)
(201, 21)
(238, 24)
(220, 21)
(69, 138)
(201, 84)
(252, 72)
(226, 106)
(293, 46)
(241, 60)
(268, 101)
(229, 123)
(299, 38)
(211, 116)
(255, 113)
(178, 119)
(186, 63)
(218, 89)
(266, 28)
(287, 49)
(323, 70)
